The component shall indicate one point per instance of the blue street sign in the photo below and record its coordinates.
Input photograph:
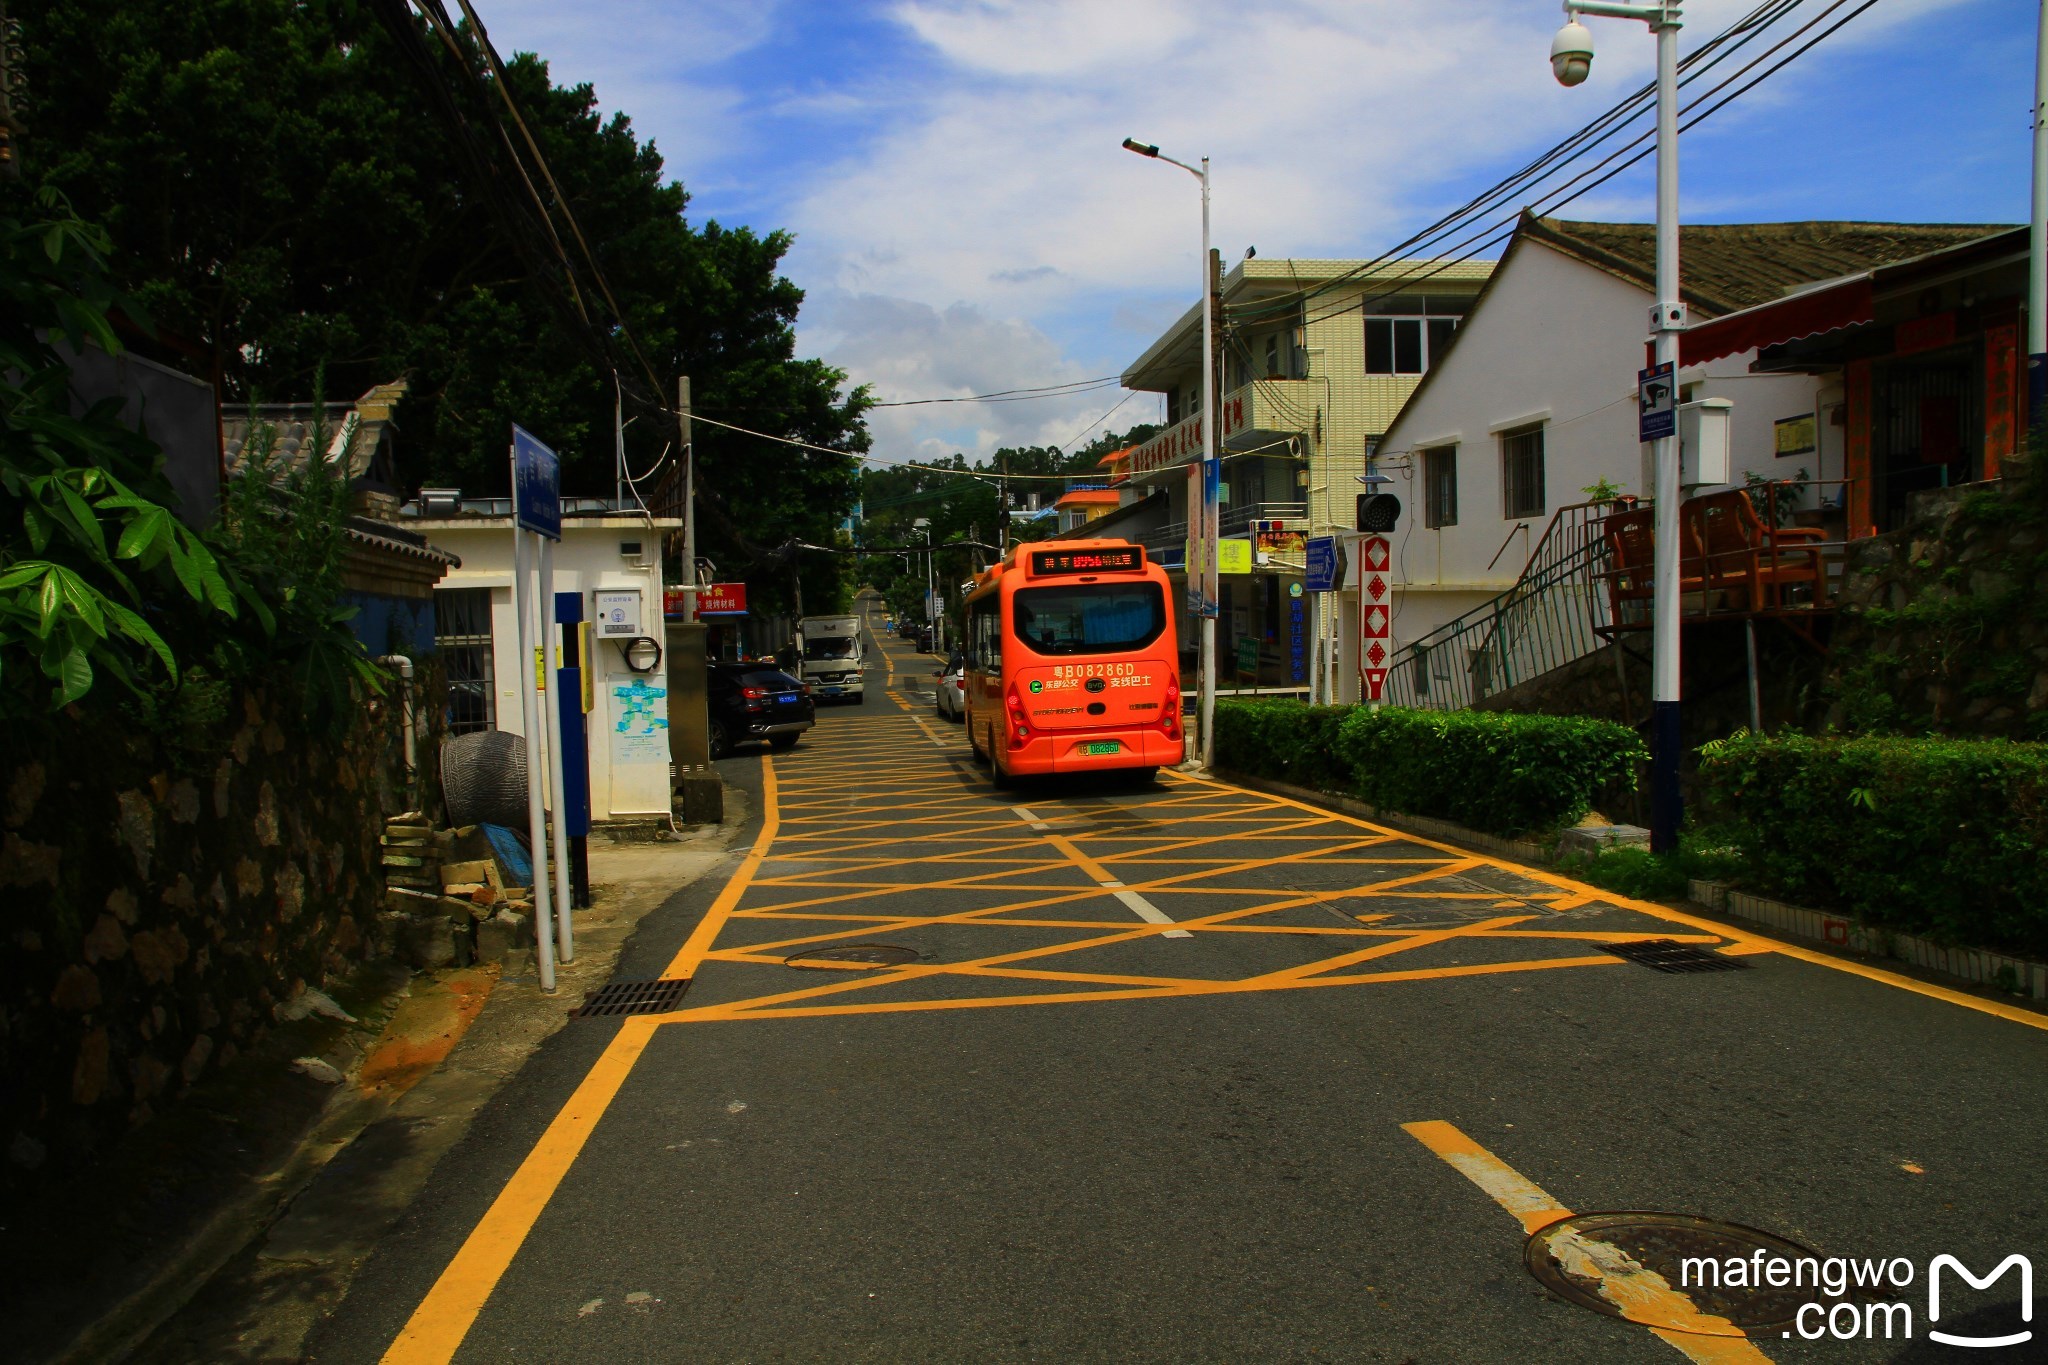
(536, 486)
(1656, 402)
(1325, 566)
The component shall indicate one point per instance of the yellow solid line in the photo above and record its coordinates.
(1643, 1296)
(436, 1329)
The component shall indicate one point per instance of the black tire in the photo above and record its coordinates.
(782, 743)
(721, 743)
(857, 698)
(998, 775)
(1143, 777)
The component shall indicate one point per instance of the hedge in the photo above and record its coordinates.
(1946, 838)
(1506, 774)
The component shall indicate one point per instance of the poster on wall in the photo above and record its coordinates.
(639, 726)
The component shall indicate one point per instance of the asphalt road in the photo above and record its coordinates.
(1290, 1089)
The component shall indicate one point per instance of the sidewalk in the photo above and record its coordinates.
(251, 1281)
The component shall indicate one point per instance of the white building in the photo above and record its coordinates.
(1535, 402)
(476, 636)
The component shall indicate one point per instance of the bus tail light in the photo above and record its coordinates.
(1019, 725)
(1169, 710)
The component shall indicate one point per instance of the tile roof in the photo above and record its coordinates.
(294, 426)
(1724, 267)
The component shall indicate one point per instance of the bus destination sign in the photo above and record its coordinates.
(1125, 559)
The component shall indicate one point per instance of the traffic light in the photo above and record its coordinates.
(1377, 512)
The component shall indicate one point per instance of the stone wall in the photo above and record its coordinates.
(1944, 624)
(164, 894)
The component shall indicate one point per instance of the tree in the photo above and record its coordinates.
(284, 190)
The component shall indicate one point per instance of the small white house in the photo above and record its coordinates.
(1535, 400)
(602, 552)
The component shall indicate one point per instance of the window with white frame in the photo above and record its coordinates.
(1405, 334)
(1440, 487)
(1521, 472)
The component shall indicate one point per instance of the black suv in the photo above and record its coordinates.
(756, 701)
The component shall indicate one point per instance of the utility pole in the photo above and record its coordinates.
(689, 498)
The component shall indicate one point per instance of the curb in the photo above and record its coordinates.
(1976, 966)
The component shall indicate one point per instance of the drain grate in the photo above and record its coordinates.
(852, 957)
(632, 997)
(1669, 955)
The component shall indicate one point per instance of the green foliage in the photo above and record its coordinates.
(93, 551)
(283, 192)
(1943, 837)
(1503, 773)
(1644, 875)
(285, 524)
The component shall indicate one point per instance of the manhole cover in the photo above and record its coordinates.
(853, 957)
(1575, 1257)
(633, 997)
(1669, 955)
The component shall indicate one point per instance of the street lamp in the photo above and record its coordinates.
(1201, 569)
(1571, 58)
(931, 603)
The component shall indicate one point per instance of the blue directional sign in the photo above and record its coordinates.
(1325, 564)
(536, 486)
(1656, 402)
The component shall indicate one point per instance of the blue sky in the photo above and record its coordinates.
(966, 221)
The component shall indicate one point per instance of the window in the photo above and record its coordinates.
(985, 636)
(1440, 487)
(1089, 618)
(1406, 334)
(1521, 473)
(462, 636)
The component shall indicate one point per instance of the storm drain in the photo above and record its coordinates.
(1578, 1257)
(1669, 955)
(633, 997)
(853, 957)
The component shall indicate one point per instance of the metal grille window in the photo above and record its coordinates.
(1521, 473)
(462, 635)
(1440, 487)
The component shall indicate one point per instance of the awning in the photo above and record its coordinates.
(1846, 303)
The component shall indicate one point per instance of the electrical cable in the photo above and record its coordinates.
(1010, 395)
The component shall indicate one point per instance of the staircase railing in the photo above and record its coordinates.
(1552, 616)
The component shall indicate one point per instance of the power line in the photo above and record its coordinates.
(1011, 395)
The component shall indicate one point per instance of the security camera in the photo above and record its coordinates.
(1571, 53)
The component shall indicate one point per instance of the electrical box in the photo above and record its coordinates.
(619, 614)
(1703, 441)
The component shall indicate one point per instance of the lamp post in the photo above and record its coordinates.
(1571, 58)
(931, 604)
(2037, 246)
(1201, 569)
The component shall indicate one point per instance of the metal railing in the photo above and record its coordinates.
(1235, 520)
(1552, 616)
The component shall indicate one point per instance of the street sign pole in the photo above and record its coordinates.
(1375, 618)
(529, 715)
(536, 517)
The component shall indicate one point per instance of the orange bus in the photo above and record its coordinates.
(1072, 664)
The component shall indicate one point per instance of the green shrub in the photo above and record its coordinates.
(1942, 837)
(1283, 740)
(1648, 876)
(1506, 774)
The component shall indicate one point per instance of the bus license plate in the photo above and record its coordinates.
(1102, 746)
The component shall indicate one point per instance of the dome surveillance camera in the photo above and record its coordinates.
(1571, 53)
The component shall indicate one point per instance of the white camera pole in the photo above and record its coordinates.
(536, 774)
(551, 708)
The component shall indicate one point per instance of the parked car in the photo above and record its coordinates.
(951, 698)
(756, 702)
(924, 639)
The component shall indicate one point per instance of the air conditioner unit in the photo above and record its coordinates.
(636, 553)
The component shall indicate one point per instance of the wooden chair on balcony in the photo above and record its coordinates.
(1753, 564)
(1631, 542)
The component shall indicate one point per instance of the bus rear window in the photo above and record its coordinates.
(1089, 618)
